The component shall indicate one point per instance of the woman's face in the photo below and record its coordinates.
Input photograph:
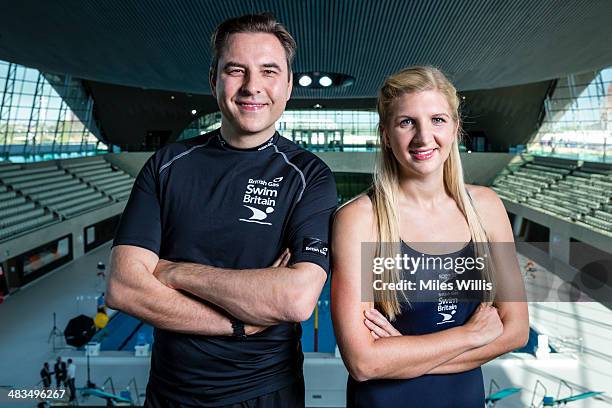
(420, 131)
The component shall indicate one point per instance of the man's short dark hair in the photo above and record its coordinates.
(250, 23)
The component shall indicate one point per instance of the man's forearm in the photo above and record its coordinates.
(178, 312)
(264, 296)
(166, 308)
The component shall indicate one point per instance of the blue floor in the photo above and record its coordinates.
(123, 332)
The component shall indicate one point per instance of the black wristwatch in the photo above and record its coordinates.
(238, 328)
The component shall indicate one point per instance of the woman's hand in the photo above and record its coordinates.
(484, 325)
(378, 325)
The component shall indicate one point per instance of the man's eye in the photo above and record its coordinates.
(406, 122)
(235, 71)
(269, 72)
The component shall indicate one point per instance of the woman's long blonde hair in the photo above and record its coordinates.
(385, 189)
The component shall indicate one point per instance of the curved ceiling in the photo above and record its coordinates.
(161, 44)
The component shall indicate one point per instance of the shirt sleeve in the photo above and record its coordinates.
(310, 223)
(140, 223)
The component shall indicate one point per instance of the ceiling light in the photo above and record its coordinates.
(305, 80)
(325, 81)
(193, 111)
(318, 80)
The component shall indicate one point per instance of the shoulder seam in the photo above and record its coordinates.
(295, 168)
(186, 152)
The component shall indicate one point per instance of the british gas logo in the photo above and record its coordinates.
(260, 199)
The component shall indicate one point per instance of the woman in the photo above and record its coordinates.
(414, 348)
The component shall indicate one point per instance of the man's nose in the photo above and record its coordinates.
(251, 84)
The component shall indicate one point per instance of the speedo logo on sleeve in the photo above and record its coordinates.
(315, 246)
(260, 199)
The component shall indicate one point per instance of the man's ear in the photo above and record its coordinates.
(212, 81)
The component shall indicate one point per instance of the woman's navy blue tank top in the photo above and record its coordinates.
(423, 315)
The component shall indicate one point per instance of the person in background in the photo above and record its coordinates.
(71, 375)
(45, 375)
(60, 373)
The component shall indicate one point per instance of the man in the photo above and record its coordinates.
(223, 245)
(45, 375)
(60, 373)
(71, 374)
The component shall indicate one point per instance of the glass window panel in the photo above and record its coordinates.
(579, 121)
(47, 124)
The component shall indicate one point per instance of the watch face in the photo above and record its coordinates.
(238, 328)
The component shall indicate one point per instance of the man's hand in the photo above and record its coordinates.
(280, 262)
(164, 271)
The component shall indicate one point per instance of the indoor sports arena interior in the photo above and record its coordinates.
(89, 90)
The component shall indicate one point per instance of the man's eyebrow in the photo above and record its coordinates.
(272, 65)
(233, 64)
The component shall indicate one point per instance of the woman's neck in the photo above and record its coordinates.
(421, 191)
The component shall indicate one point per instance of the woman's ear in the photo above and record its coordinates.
(384, 137)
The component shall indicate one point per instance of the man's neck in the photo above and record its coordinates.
(245, 141)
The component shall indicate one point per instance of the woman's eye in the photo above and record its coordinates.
(406, 122)
(438, 120)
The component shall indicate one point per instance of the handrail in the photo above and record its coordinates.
(133, 380)
(493, 382)
(535, 388)
(110, 379)
(563, 382)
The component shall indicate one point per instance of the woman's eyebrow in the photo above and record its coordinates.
(441, 114)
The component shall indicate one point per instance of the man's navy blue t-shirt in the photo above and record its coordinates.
(203, 201)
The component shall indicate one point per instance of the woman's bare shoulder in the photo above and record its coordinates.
(359, 206)
(484, 197)
(357, 215)
(491, 210)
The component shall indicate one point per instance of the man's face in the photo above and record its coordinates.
(252, 85)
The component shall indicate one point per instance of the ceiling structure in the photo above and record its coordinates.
(143, 49)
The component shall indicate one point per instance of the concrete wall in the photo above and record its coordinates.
(131, 163)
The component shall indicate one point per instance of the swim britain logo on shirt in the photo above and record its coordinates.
(315, 246)
(261, 196)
